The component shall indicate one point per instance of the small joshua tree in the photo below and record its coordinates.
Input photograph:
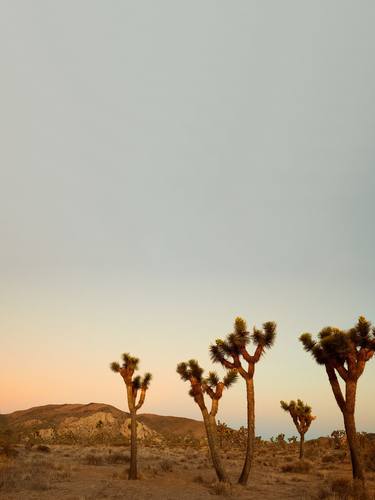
(345, 353)
(302, 418)
(133, 386)
(339, 438)
(193, 373)
(229, 353)
(214, 388)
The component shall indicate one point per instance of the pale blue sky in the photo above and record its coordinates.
(166, 166)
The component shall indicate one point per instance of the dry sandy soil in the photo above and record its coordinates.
(82, 473)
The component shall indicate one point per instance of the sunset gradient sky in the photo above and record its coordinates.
(166, 166)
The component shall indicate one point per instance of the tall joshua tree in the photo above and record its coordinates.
(345, 353)
(193, 373)
(302, 418)
(133, 386)
(230, 353)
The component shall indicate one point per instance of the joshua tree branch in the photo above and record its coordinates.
(243, 372)
(258, 353)
(342, 371)
(214, 407)
(209, 391)
(237, 366)
(369, 354)
(296, 423)
(141, 399)
(228, 364)
(219, 390)
(246, 356)
(351, 360)
(335, 387)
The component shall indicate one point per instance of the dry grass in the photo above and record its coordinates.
(344, 489)
(118, 458)
(33, 475)
(72, 473)
(94, 459)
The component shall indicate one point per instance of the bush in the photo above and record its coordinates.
(118, 458)
(43, 448)
(222, 489)
(301, 467)
(337, 456)
(166, 465)
(92, 459)
(8, 450)
(328, 458)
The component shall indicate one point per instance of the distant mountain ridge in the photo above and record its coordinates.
(93, 422)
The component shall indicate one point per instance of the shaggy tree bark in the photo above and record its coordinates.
(347, 407)
(301, 443)
(133, 472)
(250, 431)
(212, 444)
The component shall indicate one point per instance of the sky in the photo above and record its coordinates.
(167, 166)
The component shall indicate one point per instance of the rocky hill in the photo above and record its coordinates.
(94, 422)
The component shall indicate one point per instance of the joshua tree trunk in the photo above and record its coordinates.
(214, 428)
(133, 473)
(133, 446)
(250, 431)
(212, 418)
(301, 443)
(212, 444)
(351, 432)
(351, 435)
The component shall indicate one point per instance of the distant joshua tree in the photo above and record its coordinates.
(302, 418)
(133, 386)
(345, 353)
(193, 373)
(339, 438)
(229, 353)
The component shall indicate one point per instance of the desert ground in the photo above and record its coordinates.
(167, 472)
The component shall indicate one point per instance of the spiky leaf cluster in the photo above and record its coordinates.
(115, 367)
(336, 346)
(189, 370)
(266, 336)
(129, 365)
(213, 379)
(146, 380)
(299, 407)
(137, 383)
(230, 378)
(235, 343)
(363, 334)
(129, 362)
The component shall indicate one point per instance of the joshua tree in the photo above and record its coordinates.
(345, 353)
(339, 438)
(133, 386)
(229, 352)
(214, 387)
(192, 372)
(302, 418)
